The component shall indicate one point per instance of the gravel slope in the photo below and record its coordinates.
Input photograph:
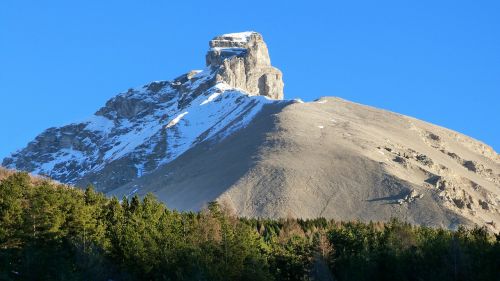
(340, 160)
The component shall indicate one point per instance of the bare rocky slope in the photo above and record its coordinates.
(226, 134)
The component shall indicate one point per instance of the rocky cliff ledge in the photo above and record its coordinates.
(242, 61)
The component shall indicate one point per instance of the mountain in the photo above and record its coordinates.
(143, 128)
(225, 133)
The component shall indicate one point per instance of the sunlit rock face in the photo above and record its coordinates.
(242, 61)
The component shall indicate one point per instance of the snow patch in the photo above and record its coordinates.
(63, 156)
(211, 119)
(239, 36)
(210, 98)
(213, 115)
(176, 119)
(99, 123)
(223, 87)
(140, 169)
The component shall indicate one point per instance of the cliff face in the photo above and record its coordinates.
(242, 61)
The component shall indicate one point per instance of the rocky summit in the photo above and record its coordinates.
(226, 133)
(146, 127)
(243, 62)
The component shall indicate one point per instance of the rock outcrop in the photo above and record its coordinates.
(410, 197)
(241, 60)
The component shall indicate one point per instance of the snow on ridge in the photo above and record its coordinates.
(62, 156)
(225, 87)
(215, 114)
(210, 98)
(176, 120)
(200, 78)
(239, 36)
(99, 123)
(209, 119)
(135, 134)
(231, 51)
(210, 114)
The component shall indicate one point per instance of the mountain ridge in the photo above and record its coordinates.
(136, 121)
(226, 133)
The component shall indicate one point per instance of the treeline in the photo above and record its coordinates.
(52, 232)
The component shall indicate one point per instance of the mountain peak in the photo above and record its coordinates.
(149, 126)
(239, 39)
(242, 61)
(237, 45)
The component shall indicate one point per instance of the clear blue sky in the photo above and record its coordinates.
(435, 60)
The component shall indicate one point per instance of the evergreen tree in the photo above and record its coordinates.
(52, 232)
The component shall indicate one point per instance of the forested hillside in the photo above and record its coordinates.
(52, 232)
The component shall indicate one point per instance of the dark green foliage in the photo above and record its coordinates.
(400, 251)
(52, 232)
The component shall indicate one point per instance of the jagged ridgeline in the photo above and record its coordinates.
(227, 134)
(143, 128)
(53, 232)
